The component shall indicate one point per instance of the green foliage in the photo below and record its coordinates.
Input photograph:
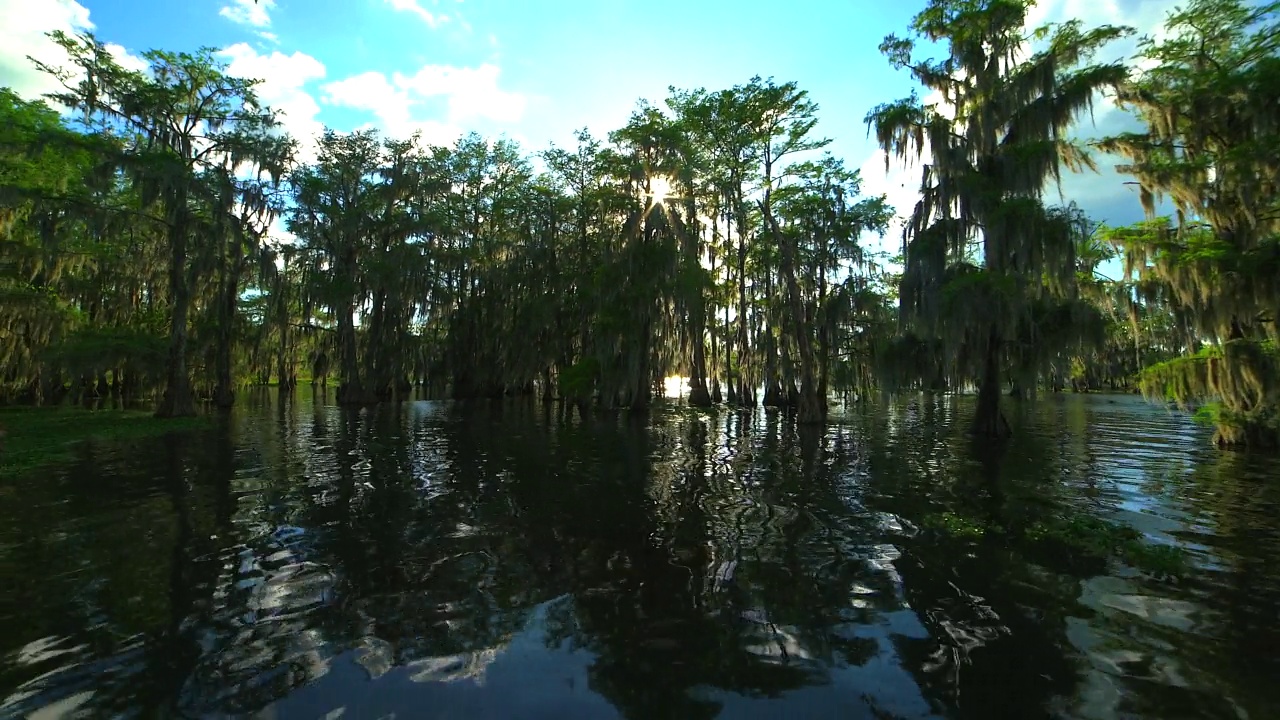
(578, 379)
(93, 350)
(991, 161)
(140, 252)
(1207, 95)
(1072, 540)
(40, 437)
(956, 526)
(1087, 538)
(708, 236)
(1237, 380)
(1208, 415)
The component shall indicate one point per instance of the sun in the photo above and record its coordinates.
(659, 189)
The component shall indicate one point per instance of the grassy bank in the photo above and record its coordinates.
(42, 436)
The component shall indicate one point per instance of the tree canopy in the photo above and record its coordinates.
(1212, 146)
(712, 237)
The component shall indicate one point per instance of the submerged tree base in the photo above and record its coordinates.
(810, 409)
(989, 421)
(176, 408)
(700, 397)
(992, 426)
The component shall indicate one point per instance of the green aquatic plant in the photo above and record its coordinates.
(956, 526)
(1082, 543)
(38, 437)
(1082, 537)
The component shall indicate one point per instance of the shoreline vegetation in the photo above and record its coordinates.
(40, 437)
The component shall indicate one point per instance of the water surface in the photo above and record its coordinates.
(497, 561)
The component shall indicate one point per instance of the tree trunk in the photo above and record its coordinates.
(810, 408)
(731, 396)
(177, 400)
(284, 371)
(548, 395)
(744, 392)
(284, 354)
(224, 394)
(375, 357)
(699, 396)
(989, 421)
(714, 396)
(641, 389)
(824, 329)
(773, 395)
(350, 391)
(128, 382)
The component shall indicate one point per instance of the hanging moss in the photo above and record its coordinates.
(1208, 97)
(982, 250)
(1238, 379)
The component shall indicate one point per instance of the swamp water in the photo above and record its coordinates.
(434, 561)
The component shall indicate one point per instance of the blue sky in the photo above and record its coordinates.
(536, 71)
(571, 63)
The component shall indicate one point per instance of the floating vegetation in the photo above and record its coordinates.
(44, 436)
(1081, 542)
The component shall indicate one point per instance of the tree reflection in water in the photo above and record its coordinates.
(500, 561)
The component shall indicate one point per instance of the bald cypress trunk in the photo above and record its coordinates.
(699, 395)
(989, 421)
(177, 400)
(224, 392)
(350, 391)
(810, 408)
(641, 390)
(745, 395)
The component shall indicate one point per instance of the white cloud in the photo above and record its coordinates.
(269, 37)
(901, 188)
(1147, 16)
(278, 232)
(391, 105)
(468, 94)
(249, 12)
(23, 33)
(127, 60)
(433, 20)
(283, 87)
(371, 91)
(471, 92)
